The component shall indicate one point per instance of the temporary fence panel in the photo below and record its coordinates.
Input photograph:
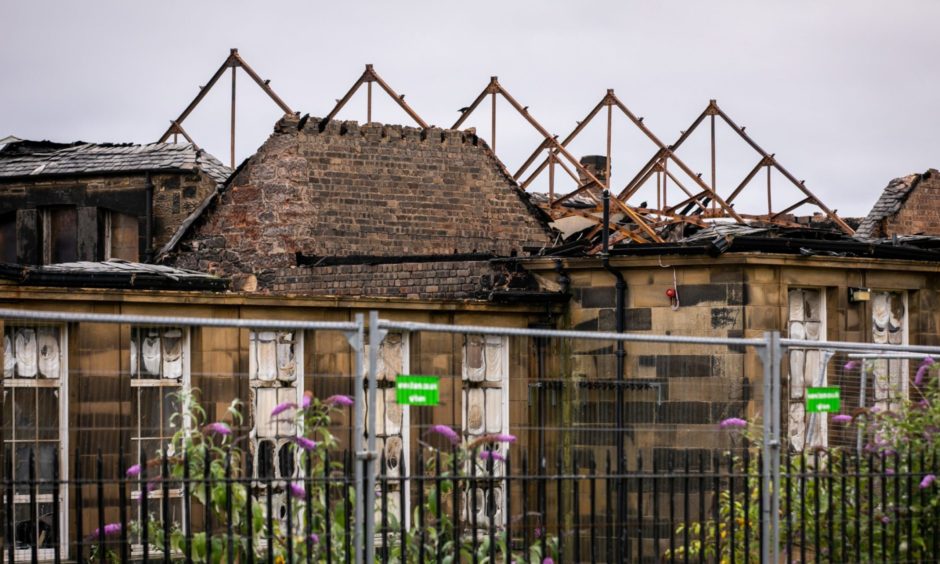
(578, 446)
(101, 414)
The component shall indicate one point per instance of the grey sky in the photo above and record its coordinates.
(844, 92)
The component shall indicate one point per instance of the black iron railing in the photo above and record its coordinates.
(691, 506)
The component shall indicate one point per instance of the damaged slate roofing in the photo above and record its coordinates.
(31, 158)
(388, 192)
(114, 273)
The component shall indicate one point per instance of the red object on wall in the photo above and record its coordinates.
(671, 293)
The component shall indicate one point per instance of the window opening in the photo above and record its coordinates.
(485, 379)
(160, 382)
(34, 392)
(889, 326)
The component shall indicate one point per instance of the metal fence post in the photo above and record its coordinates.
(375, 338)
(771, 354)
(356, 340)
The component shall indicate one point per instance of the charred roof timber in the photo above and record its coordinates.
(685, 200)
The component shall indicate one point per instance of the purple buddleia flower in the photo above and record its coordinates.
(492, 455)
(133, 471)
(314, 538)
(504, 438)
(282, 407)
(339, 399)
(308, 399)
(305, 443)
(297, 491)
(218, 428)
(851, 365)
(927, 481)
(110, 530)
(548, 560)
(732, 423)
(885, 519)
(923, 370)
(842, 418)
(446, 432)
(889, 471)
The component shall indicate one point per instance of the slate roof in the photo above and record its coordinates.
(114, 273)
(34, 158)
(887, 205)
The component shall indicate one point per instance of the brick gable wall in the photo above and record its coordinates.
(920, 212)
(379, 190)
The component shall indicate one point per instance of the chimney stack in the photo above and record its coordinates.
(596, 165)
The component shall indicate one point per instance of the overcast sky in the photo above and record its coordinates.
(844, 92)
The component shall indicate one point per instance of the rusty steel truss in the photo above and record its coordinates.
(234, 61)
(699, 201)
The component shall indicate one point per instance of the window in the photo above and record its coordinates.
(34, 391)
(889, 326)
(59, 235)
(806, 321)
(118, 236)
(392, 420)
(8, 238)
(275, 372)
(485, 377)
(160, 373)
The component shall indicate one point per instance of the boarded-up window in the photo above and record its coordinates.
(485, 385)
(160, 381)
(275, 361)
(392, 420)
(34, 402)
(8, 238)
(59, 235)
(806, 321)
(120, 237)
(889, 326)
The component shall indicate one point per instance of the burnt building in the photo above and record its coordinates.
(67, 202)
(332, 218)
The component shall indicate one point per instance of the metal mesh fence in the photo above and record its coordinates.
(571, 445)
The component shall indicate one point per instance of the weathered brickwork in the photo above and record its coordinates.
(920, 213)
(377, 190)
(909, 205)
(440, 280)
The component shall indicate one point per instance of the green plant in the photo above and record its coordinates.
(207, 453)
(838, 505)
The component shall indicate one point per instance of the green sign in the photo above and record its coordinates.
(823, 400)
(416, 390)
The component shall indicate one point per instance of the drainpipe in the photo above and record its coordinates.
(619, 316)
(148, 220)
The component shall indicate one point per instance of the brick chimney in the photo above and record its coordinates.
(596, 165)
